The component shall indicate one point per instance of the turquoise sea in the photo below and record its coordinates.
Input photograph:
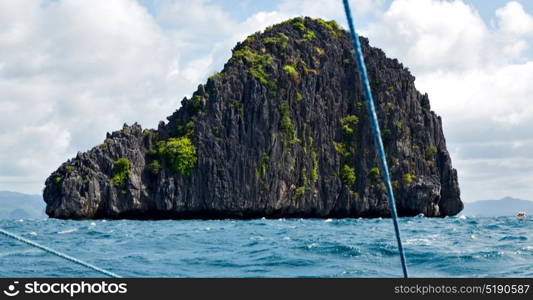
(448, 247)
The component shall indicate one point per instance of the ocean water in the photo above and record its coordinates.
(449, 247)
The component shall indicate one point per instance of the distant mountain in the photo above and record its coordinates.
(17, 205)
(504, 207)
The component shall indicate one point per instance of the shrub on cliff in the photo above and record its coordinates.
(408, 178)
(292, 72)
(121, 171)
(430, 152)
(374, 174)
(256, 62)
(285, 123)
(348, 175)
(349, 124)
(281, 40)
(179, 152)
(154, 166)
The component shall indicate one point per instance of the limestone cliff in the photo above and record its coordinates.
(281, 131)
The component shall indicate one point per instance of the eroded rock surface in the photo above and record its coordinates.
(282, 131)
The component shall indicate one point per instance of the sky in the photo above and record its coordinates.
(72, 70)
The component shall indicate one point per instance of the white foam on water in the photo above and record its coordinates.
(312, 245)
(67, 231)
(286, 238)
(421, 241)
(462, 217)
(528, 248)
(93, 224)
(329, 220)
(33, 233)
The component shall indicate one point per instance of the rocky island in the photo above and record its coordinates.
(281, 131)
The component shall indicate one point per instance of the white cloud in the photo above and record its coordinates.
(513, 20)
(209, 19)
(477, 80)
(71, 70)
(330, 9)
(429, 35)
(238, 31)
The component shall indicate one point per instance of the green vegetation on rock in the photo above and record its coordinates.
(238, 105)
(349, 124)
(332, 26)
(256, 62)
(281, 41)
(196, 104)
(285, 122)
(408, 178)
(308, 70)
(346, 146)
(309, 35)
(121, 171)
(155, 166)
(348, 175)
(292, 72)
(186, 130)
(314, 171)
(314, 159)
(262, 167)
(300, 191)
(58, 179)
(298, 23)
(399, 126)
(374, 173)
(299, 96)
(341, 148)
(179, 152)
(430, 152)
(217, 75)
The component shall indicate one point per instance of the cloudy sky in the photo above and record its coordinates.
(71, 70)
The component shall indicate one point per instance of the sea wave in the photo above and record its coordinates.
(455, 246)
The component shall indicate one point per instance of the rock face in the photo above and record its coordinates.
(282, 131)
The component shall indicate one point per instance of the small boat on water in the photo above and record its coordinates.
(521, 214)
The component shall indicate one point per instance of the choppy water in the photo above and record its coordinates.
(457, 246)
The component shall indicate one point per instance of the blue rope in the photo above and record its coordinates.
(375, 130)
(59, 254)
